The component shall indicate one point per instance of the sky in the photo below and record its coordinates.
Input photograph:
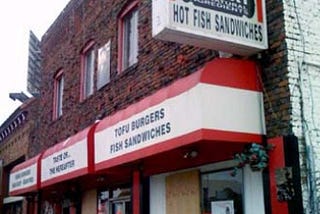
(17, 18)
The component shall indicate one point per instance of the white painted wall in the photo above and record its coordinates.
(302, 20)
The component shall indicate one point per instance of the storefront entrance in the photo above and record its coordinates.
(222, 193)
(208, 189)
(13, 208)
(115, 201)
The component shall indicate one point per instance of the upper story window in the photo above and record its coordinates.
(128, 39)
(88, 62)
(58, 94)
(103, 74)
(95, 68)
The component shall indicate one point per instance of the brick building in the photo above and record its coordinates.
(16, 135)
(138, 116)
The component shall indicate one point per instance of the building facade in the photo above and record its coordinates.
(142, 112)
(16, 135)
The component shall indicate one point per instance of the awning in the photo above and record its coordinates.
(68, 159)
(221, 102)
(24, 177)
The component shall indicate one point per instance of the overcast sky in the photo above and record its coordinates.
(17, 18)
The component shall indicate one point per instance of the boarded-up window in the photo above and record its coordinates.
(183, 193)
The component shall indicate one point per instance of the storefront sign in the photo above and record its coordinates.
(152, 125)
(180, 110)
(66, 160)
(235, 26)
(23, 177)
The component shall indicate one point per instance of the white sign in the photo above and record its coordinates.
(65, 161)
(204, 106)
(234, 26)
(23, 178)
(222, 207)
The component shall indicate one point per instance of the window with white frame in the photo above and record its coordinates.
(58, 94)
(88, 62)
(128, 37)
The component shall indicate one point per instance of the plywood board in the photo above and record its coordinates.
(183, 193)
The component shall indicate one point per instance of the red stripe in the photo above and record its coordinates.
(203, 134)
(219, 135)
(39, 168)
(90, 147)
(259, 11)
(136, 192)
(21, 191)
(233, 73)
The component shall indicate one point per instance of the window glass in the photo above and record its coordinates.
(222, 192)
(115, 201)
(103, 76)
(88, 72)
(103, 202)
(60, 87)
(58, 95)
(130, 39)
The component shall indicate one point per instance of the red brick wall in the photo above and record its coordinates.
(15, 146)
(274, 74)
(159, 64)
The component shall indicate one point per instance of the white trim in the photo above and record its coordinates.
(9, 200)
(253, 191)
